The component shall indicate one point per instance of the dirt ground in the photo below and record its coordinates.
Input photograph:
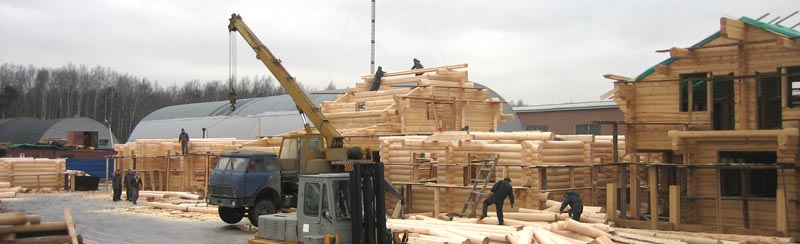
(99, 220)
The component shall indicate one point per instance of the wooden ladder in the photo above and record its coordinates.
(485, 172)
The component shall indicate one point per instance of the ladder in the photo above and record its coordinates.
(485, 172)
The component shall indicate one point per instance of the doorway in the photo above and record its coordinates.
(769, 102)
(723, 114)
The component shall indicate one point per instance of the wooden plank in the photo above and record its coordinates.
(70, 226)
(675, 204)
(677, 52)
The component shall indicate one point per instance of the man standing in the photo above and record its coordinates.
(376, 80)
(136, 184)
(575, 205)
(500, 191)
(116, 185)
(127, 179)
(183, 138)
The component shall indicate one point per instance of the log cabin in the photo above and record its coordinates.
(724, 113)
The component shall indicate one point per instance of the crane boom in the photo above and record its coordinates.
(332, 136)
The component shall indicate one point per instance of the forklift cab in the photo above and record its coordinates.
(304, 154)
(326, 208)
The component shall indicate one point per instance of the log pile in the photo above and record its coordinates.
(17, 227)
(159, 163)
(34, 173)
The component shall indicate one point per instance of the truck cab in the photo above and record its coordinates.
(248, 183)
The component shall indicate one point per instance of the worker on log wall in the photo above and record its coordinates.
(499, 192)
(575, 205)
(183, 138)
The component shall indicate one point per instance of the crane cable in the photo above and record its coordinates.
(232, 69)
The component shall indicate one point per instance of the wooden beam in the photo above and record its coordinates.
(780, 210)
(414, 71)
(70, 226)
(678, 52)
(617, 77)
(732, 29)
(436, 198)
(663, 69)
(675, 204)
(787, 43)
(718, 198)
(611, 201)
(652, 173)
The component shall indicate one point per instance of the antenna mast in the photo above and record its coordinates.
(372, 47)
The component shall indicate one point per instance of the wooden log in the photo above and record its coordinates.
(526, 235)
(42, 227)
(5, 184)
(70, 226)
(584, 229)
(648, 238)
(659, 234)
(12, 189)
(438, 239)
(603, 240)
(543, 233)
(555, 229)
(48, 239)
(167, 206)
(546, 217)
(8, 194)
(207, 210)
(15, 218)
(472, 236)
(448, 235)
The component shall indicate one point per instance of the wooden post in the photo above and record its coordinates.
(436, 199)
(675, 205)
(166, 188)
(71, 181)
(652, 173)
(611, 201)
(107, 161)
(615, 142)
(634, 182)
(623, 193)
(780, 210)
(719, 199)
(205, 175)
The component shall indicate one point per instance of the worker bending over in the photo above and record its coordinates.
(575, 205)
(500, 191)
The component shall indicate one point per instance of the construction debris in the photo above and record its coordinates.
(17, 227)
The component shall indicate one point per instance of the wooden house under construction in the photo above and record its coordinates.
(724, 113)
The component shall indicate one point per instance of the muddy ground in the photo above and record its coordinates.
(99, 220)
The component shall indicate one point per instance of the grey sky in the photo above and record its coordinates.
(537, 51)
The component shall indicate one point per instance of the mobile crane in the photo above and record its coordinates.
(349, 207)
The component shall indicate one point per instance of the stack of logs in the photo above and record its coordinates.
(35, 173)
(548, 226)
(16, 227)
(6, 191)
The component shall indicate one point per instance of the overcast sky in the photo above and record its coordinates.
(539, 51)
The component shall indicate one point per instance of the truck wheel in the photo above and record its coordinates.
(231, 215)
(262, 207)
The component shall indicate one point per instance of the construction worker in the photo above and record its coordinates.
(575, 205)
(376, 80)
(116, 185)
(417, 65)
(127, 179)
(136, 184)
(183, 138)
(499, 192)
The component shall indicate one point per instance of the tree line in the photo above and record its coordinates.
(103, 94)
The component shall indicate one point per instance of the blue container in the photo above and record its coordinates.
(94, 167)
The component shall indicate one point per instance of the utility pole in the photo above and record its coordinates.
(372, 47)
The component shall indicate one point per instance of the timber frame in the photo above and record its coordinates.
(722, 114)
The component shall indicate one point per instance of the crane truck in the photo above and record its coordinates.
(337, 193)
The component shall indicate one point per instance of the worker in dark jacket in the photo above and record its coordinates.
(417, 65)
(376, 80)
(575, 205)
(136, 184)
(500, 191)
(183, 138)
(127, 179)
(116, 185)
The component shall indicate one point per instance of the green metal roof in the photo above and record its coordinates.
(774, 28)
